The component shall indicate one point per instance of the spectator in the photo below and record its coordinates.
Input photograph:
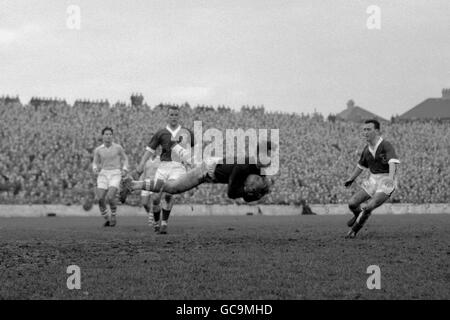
(49, 161)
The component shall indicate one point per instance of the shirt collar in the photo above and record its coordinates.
(173, 132)
(374, 150)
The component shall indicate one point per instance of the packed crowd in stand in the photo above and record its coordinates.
(47, 148)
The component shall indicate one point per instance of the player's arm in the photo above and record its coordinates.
(183, 154)
(124, 160)
(149, 151)
(356, 172)
(195, 145)
(96, 162)
(187, 154)
(144, 172)
(392, 170)
(392, 158)
(362, 164)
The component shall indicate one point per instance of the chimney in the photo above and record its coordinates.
(350, 104)
(137, 99)
(446, 93)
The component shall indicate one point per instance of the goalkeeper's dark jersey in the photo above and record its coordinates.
(235, 175)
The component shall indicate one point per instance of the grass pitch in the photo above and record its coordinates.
(228, 257)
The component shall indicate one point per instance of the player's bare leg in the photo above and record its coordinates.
(186, 182)
(101, 196)
(355, 205)
(124, 191)
(156, 203)
(146, 202)
(166, 209)
(111, 200)
(377, 200)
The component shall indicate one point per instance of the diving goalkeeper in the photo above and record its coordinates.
(246, 180)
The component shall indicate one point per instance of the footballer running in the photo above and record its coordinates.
(380, 158)
(147, 197)
(170, 169)
(110, 164)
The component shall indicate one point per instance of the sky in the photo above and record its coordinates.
(293, 56)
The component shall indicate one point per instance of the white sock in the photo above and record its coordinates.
(105, 214)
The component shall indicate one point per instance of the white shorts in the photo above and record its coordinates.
(109, 179)
(209, 166)
(145, 193)
(170, 170)
(378, 183)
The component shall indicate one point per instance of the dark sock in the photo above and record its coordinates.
(357, 211)
(157, 215)
(103, 210)
(165, 214)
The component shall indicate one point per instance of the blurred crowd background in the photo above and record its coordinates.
(47, 146)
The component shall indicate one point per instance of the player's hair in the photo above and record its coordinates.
(107, 129)
(173, 107)
(376, 123)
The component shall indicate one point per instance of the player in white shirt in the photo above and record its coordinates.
(151, 166)
(110, 164)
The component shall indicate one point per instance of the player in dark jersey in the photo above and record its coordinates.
(171, 167)
(380, 158)
(245, 180)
